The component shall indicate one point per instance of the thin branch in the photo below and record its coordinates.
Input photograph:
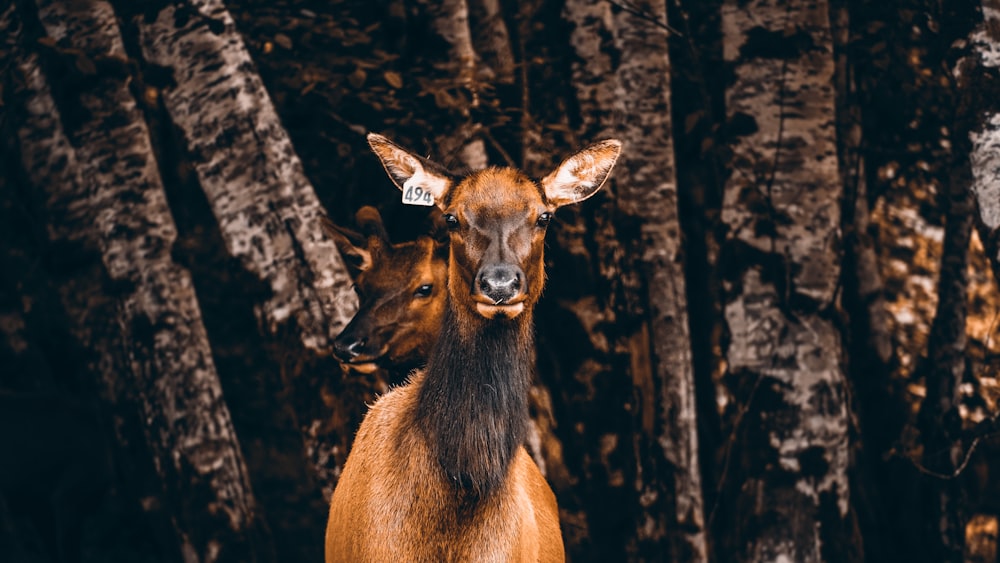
(729, 449)
(643, 15)
(942, 476)
(496, 145)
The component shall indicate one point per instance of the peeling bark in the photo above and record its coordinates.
(266, 208)
(781, 258)
(113, 195)
(621, 53)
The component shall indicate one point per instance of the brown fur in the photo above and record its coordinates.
(378, 514)
(397, 322)
(437, 471)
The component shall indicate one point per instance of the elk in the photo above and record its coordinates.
(438, 471)
(400, 291)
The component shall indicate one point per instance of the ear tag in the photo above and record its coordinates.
(414, 194)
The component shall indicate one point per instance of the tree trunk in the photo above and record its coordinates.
(116, 197)
(267, 210)
(877, 408)
(970, 182)
(940, 422)
(450, 21)
(268, 214)
(626, 51)
(492, 40)
(781, 272)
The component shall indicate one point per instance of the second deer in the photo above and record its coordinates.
(438, 471)
(400, 291)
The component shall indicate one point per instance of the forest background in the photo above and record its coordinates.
(773, 334)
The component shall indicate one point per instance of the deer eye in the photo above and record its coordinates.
(424, 290)
(450, 221)
(543, 220)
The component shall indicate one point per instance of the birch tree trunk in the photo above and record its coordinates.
(781, 266)
(268, 214)
(266, 208)
(621, 52)
(111, 190)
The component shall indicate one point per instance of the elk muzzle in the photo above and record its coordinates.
(500, 289)
(354, 351)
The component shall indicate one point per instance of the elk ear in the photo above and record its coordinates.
(408, 170)
(581, 175)
(353, 246)
(369, 220)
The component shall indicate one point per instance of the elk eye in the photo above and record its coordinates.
(424, 290)
(451, 221)
(543, 220)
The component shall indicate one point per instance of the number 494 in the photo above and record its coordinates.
(415, 195)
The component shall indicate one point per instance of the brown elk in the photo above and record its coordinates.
(400, 289)
(438, 471)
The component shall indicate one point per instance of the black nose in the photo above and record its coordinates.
(348, 347)
(500, 282)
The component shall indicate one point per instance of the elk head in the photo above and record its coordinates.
(496, 219)
(401, 295)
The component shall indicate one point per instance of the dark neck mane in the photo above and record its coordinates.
(473, 403)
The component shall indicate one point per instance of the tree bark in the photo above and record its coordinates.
(492, 40)
(781, 269)
(266, 208)
(450, 21)
(876, 407)
(940, 421)
(626, 51)
(113, 194)
(970, 181)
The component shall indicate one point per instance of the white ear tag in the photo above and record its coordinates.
(414, 193)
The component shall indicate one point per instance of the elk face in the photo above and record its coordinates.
(401, 294)
(497, 219)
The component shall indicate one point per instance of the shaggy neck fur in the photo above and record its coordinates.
(473, 404)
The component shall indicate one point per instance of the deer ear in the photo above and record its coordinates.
(581, 175)
(369, 220)
(353, 246)
(408, 170)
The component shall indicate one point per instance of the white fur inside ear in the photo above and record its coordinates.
(568, 182)
(582, 175)
(433, 184)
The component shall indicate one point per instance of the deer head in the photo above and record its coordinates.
(401, 294)
(496, 219)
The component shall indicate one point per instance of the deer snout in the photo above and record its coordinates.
(500, 282)
(348, 347)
